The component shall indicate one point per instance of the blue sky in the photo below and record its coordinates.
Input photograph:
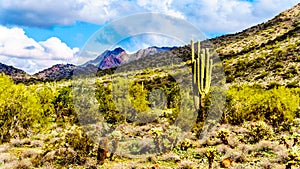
(37, 34)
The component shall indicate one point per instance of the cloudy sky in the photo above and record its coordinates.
(37, 34)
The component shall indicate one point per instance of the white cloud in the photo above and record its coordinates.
(163, 6)
(269, 8)
(148, 40)
(207, 15)
(23, 52)
(57, 49)
(229, 15)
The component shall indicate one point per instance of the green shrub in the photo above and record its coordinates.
(64, 105)
(138, 97)
(258, 131)
(275, 106)
(20, 109)
(103, 93)
(172, 135)
(69, 146)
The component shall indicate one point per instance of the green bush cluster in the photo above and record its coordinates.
(25, 109)
(137, 101)
(249, 103)
(20, 109)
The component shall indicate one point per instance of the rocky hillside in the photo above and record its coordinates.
(16, 74)
(58, 71)
(64, 71)
(268, 53)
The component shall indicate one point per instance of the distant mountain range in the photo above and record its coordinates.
(108, 59)
(118, 56)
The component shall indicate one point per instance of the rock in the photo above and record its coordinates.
(226, 163)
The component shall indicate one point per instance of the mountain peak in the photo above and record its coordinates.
(118, 56)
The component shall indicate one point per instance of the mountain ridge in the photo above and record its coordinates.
(118, 56)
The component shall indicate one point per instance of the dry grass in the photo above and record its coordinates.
(237, 156)
(170, 157)
(36, 143)
(266, 164)
(29, 153)
(187, 164)
(19, 142)
(6, 158)
(223, 149)
(4, 148)
(18, 164)
(246, 149)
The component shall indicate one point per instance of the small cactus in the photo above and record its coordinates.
(293, 157)
(156, 132)
(185, 144)
(210, 154)
(223, 134)
(116, 137)
(296, 138)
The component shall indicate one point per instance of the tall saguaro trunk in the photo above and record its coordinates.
(202, 70)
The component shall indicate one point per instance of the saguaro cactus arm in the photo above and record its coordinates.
(193, 51)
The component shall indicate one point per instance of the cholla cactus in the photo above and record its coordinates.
(258, 131)
(223, 134)
(296, 138)
(293, 156)
(284, 140)
(172, 134)
(156, 132)
(210, 154)
(185, 144)
(115, 138)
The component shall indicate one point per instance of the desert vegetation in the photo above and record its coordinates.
(142, 115)
(259, 128)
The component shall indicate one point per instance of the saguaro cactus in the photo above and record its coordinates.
(202, 70)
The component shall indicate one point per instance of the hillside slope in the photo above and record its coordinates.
(268, 54)
(15, 73)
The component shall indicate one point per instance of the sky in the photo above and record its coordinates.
(35, 34)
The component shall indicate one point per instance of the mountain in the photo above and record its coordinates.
(58, 71)
(64, 71)
(119, 56)
(15, 73)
